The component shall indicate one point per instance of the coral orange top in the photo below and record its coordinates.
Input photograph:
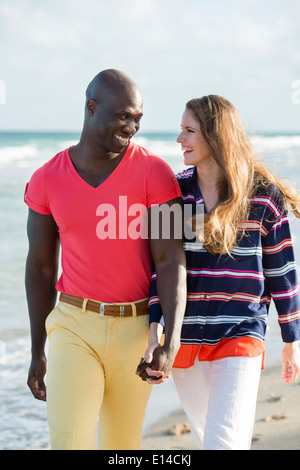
(230, 347)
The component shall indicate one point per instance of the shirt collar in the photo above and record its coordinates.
(194, 175)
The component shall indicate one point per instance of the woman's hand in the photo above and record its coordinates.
(290, 362)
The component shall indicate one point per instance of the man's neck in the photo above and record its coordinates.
(93, 164)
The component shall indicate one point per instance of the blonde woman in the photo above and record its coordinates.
(246, 260)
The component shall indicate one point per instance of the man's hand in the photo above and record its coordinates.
(36, 376)
(290, 362)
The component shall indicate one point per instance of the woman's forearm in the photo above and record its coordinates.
(155, 333)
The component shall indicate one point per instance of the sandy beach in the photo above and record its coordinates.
(277, 423)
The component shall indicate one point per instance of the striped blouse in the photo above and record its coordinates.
(228, 298)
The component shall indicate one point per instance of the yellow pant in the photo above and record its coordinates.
(91, 373)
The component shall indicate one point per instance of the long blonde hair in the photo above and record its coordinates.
(243, 171)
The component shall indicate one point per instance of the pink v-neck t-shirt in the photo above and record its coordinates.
(105, 252)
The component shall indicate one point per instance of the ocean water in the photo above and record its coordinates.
(23, 424)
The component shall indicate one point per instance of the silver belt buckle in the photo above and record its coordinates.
(102, 308)
(103, 305)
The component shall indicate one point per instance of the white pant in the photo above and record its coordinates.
(219, 399)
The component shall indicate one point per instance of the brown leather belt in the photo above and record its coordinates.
(114, 310)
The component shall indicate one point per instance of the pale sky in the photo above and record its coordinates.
(245, 50)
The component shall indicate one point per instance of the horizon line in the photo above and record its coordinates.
(146, 132)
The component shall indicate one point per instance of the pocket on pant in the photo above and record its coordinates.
(49, 320)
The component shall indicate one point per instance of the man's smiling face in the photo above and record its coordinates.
(116, 119)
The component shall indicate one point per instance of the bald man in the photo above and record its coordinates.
(87, 201)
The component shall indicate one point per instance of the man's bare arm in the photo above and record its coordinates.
(170, 266)
(40, 281)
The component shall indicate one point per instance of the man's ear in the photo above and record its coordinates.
(91, 106)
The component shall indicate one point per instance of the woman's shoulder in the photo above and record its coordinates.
(269, 190)
(269, 196)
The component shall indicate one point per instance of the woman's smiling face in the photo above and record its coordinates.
(194, 147)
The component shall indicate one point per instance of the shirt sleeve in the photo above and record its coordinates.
(155, 311)
(162, 184)
(34, 195)
(280, 270)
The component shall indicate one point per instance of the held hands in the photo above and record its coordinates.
(155, 366)
(290, 362)
(153, 375)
